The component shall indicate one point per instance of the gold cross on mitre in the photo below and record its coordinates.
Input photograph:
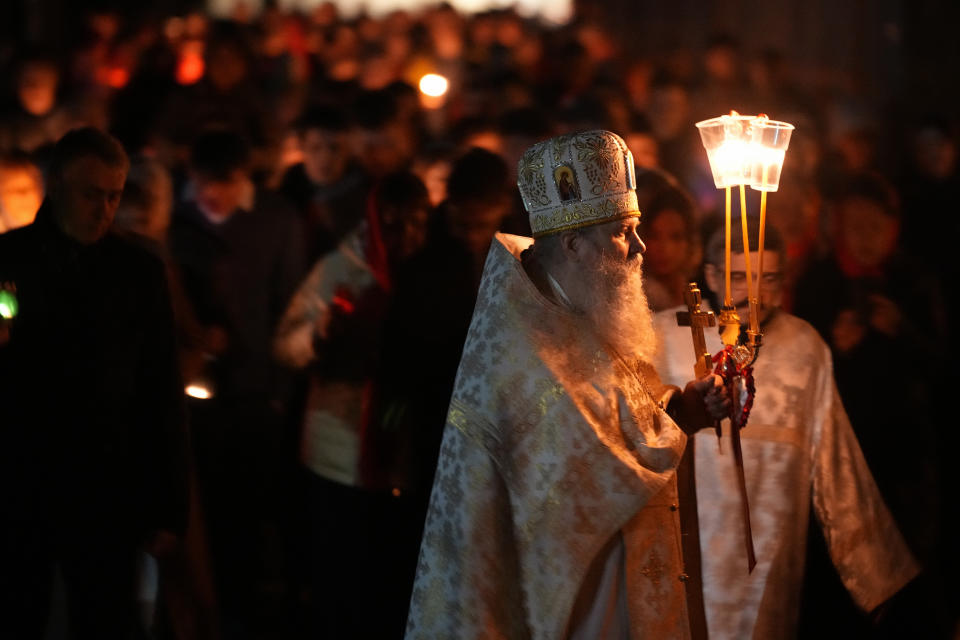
(697, 319)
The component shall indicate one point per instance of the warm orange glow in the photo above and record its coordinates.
(199, 391)
(190, 67)
(113, 77)
(434, 85)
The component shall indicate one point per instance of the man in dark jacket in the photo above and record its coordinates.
(239, 251)
(92, 462)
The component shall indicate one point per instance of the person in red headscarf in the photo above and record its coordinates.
(332, 327)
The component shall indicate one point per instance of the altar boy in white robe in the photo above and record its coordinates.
(798, 449)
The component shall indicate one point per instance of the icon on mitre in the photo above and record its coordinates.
(566, 181)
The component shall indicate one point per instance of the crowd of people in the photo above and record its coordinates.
(323, 224)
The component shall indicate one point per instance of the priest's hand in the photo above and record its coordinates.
(702, 403)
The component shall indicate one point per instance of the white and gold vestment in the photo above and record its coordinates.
(553, 447)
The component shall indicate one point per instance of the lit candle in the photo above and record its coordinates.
(433, 90)
(770, 139)
(745, 150)
(728, 144)
(198, 390)
(8, 305)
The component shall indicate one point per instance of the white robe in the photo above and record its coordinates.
(798, 447)
(552, 446)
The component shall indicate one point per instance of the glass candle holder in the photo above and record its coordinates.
(769, 142)
(727, 140)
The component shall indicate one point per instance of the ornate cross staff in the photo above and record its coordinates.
(697, 320)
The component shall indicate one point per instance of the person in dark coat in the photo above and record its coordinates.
(329, 189)
(92, 467)
(239, 252)
(430, 312)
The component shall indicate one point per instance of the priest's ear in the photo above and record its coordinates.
(714, 278)
(572, 244)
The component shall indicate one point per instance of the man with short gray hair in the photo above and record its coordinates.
(93, 462)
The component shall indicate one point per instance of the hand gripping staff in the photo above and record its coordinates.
(732, 372)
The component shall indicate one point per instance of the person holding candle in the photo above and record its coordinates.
(333, 328)
(238, 249)
(799, 451)
(554, 505)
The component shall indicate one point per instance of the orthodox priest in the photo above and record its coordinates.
(554, 507)
(799, 450)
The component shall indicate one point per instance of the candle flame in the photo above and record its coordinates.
(434, 85)
(199, 391)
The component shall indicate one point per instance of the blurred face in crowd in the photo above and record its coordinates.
(669, 111)
(771, 289)
(935, 154)
(383, 150)
(721, 63)
(796, 213)
(147, 204)
(857, 149)
(434, 176)
(219, 198)
(668, 244)
(488, 139)
(867, 231)
(447, 40)
(646, 152)
(637, 84)
(475, 224)
(149, 221)
(325, 155)
(37, 88)
(21, 193)
(86, 196)
(226, 67)
(404, 230)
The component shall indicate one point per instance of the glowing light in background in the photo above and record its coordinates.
(190, 66)
(199, 391)
(434, 85)
(8, 305)
(552, 11)
(115, 77)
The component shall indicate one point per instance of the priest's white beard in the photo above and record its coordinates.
(616, 305)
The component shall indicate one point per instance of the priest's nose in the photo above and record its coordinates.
(636, 244)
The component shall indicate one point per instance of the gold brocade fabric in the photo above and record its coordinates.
(798, 449)
(551, 447)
